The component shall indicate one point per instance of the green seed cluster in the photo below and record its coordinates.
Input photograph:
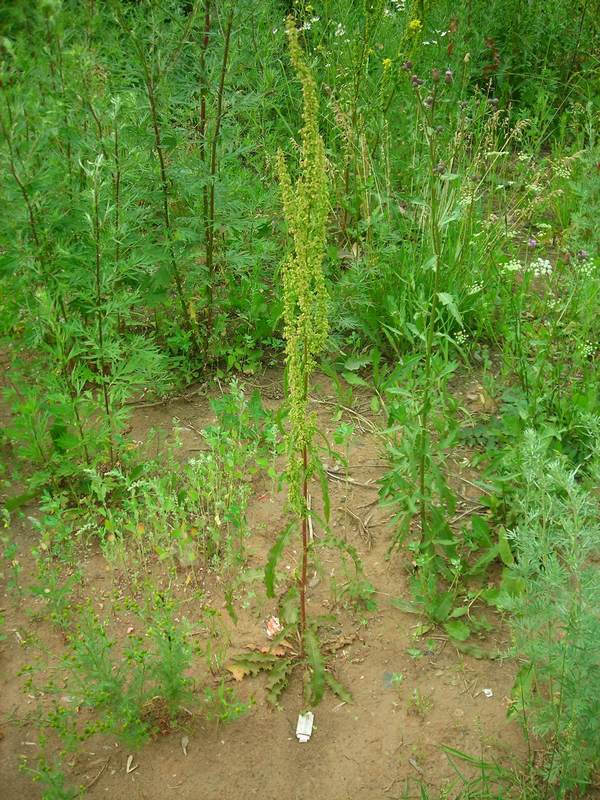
(305, 204)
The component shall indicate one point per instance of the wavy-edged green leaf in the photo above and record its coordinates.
(316, 662)
(324, 492)
(278, 679)
(230, 607)
(272, 559)
(337, 688)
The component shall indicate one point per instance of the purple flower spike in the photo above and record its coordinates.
(583, 255)
(532, 243)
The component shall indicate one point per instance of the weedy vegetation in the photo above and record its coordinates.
(239, 242)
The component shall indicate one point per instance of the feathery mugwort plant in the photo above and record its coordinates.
(305, 295)
(209, 190)
(152, 74)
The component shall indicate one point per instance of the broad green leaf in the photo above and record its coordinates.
(13, 503)
(289, 606)
(356, 362)
(476, 652)
(441, 606)
(457, 629)
(448, 300)
(483, 563)
(504, 549)
(480, 531)
(354, 380)
(406, 605)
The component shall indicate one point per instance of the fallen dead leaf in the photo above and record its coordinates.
(237, 670)
(339, 642)
(278, 650)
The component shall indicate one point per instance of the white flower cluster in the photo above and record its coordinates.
(514, 265)
(475, 288)
(562, 169)
(340, 30)
(435, 41)
(461, 338)
(588, 349)
(309, 23)
(585, 267)
(541, 267)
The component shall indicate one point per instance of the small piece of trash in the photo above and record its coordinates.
(130, 765)
(184, 744)
(305, 726)
(414, 765)
(488, 692)
(391, 680)
(273, 627)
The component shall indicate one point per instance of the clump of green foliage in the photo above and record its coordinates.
(552, 593)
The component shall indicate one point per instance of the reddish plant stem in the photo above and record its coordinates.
(304, 550)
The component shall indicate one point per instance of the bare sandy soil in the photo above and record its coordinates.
(372, 748)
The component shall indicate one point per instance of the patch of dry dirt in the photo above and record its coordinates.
(367, 749)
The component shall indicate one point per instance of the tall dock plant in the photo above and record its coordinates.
(305, 204)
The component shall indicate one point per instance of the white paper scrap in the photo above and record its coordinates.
(305, 726)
